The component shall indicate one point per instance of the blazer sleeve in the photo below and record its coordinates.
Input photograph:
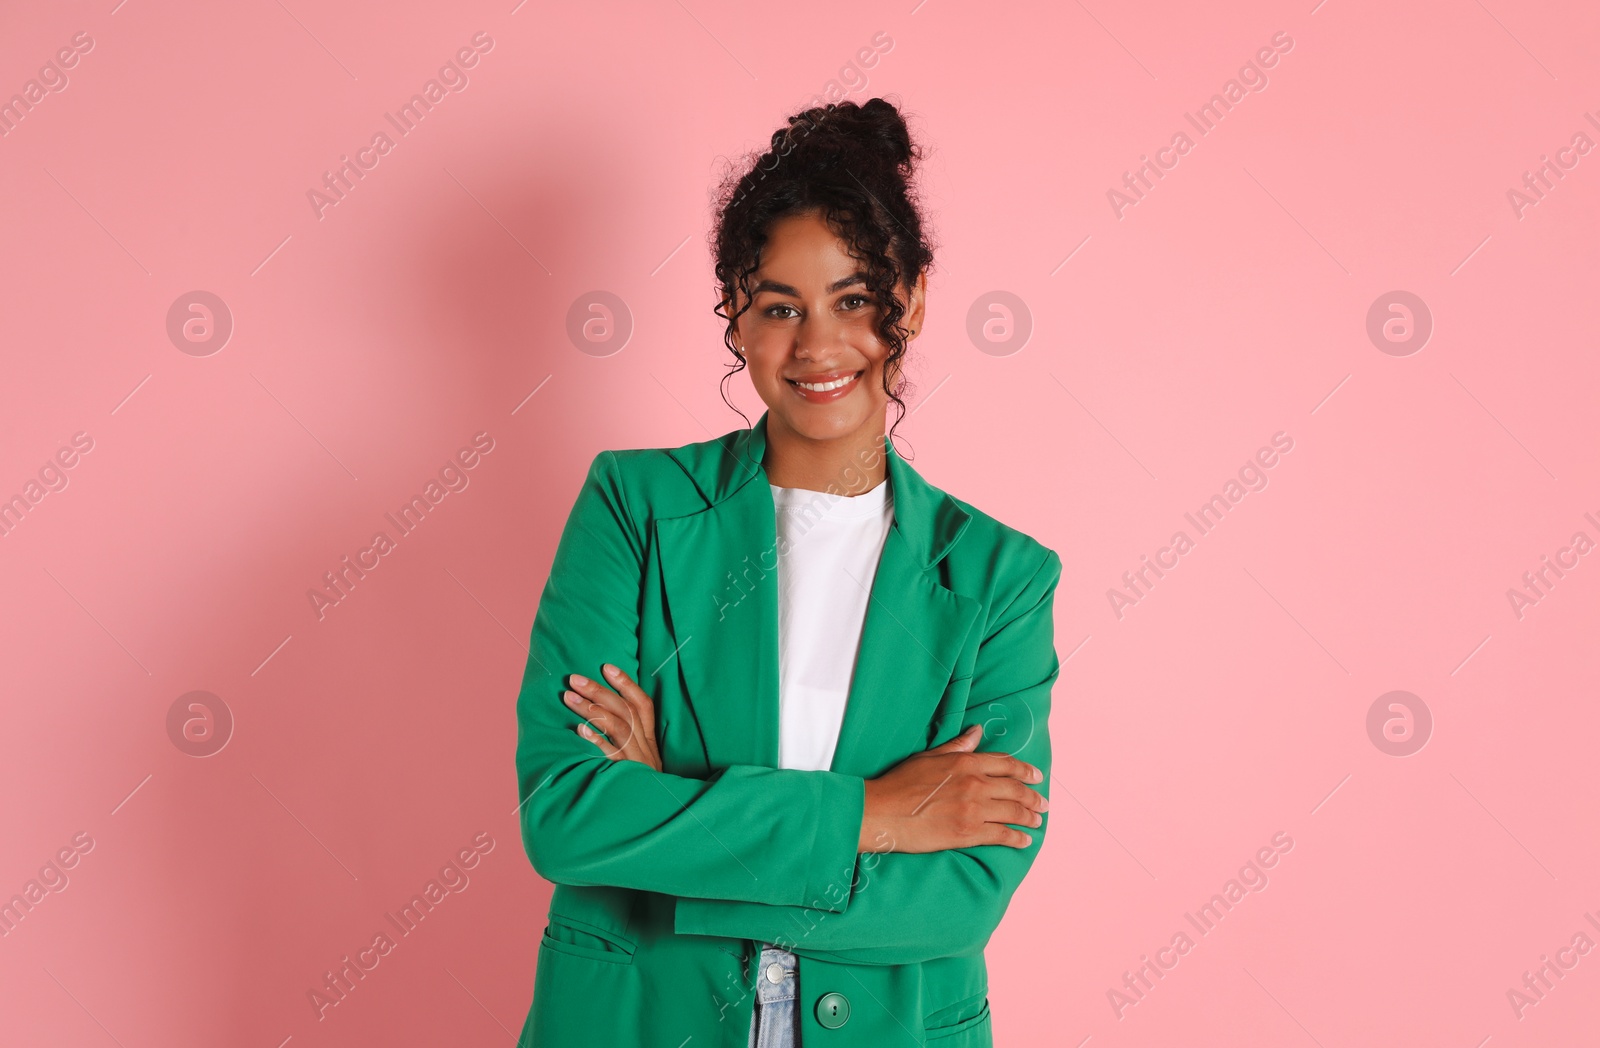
(747, 833)
(908, 908)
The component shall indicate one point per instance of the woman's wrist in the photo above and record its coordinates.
(871, 824)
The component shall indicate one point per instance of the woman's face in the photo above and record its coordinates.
(810, 337)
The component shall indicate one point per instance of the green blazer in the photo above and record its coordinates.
(667, 882)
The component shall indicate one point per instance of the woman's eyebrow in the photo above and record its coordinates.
(785, 289)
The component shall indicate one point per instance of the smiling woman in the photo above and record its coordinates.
(769, 814)
(823, 271)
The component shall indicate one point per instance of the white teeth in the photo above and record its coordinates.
(823, 387)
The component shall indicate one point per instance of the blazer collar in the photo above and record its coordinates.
(929, 519)
(719, 568)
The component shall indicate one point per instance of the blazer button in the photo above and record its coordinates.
(833, 1010)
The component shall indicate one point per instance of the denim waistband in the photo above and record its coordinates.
(775, 961)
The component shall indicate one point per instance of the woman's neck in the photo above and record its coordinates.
(845, 465)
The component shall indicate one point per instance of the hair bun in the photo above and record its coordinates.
(840, 132)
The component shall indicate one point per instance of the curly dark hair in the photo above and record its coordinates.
(852, 164)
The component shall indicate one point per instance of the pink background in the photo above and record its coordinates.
(1164, 347)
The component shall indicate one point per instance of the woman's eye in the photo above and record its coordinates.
(849, 303)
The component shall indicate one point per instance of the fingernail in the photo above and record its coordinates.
(1038, 776)
(611, 671)
(569, 697)
(1044, 803)
(578, 680)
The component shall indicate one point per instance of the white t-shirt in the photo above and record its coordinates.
(829, 546)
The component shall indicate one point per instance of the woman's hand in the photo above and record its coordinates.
(623, 721)
(950, 797)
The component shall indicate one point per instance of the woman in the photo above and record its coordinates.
(769, 821)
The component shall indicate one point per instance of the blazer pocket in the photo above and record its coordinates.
(577, 938)
(957, 1019)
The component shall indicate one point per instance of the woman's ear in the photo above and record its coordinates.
(726, 305)
(916, 306)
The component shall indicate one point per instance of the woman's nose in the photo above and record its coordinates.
(817, 338)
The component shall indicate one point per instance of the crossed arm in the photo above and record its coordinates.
(751, 852)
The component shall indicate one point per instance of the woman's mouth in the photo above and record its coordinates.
(828, 386)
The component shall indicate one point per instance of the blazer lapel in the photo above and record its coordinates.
(911, 644)
(719, 568)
